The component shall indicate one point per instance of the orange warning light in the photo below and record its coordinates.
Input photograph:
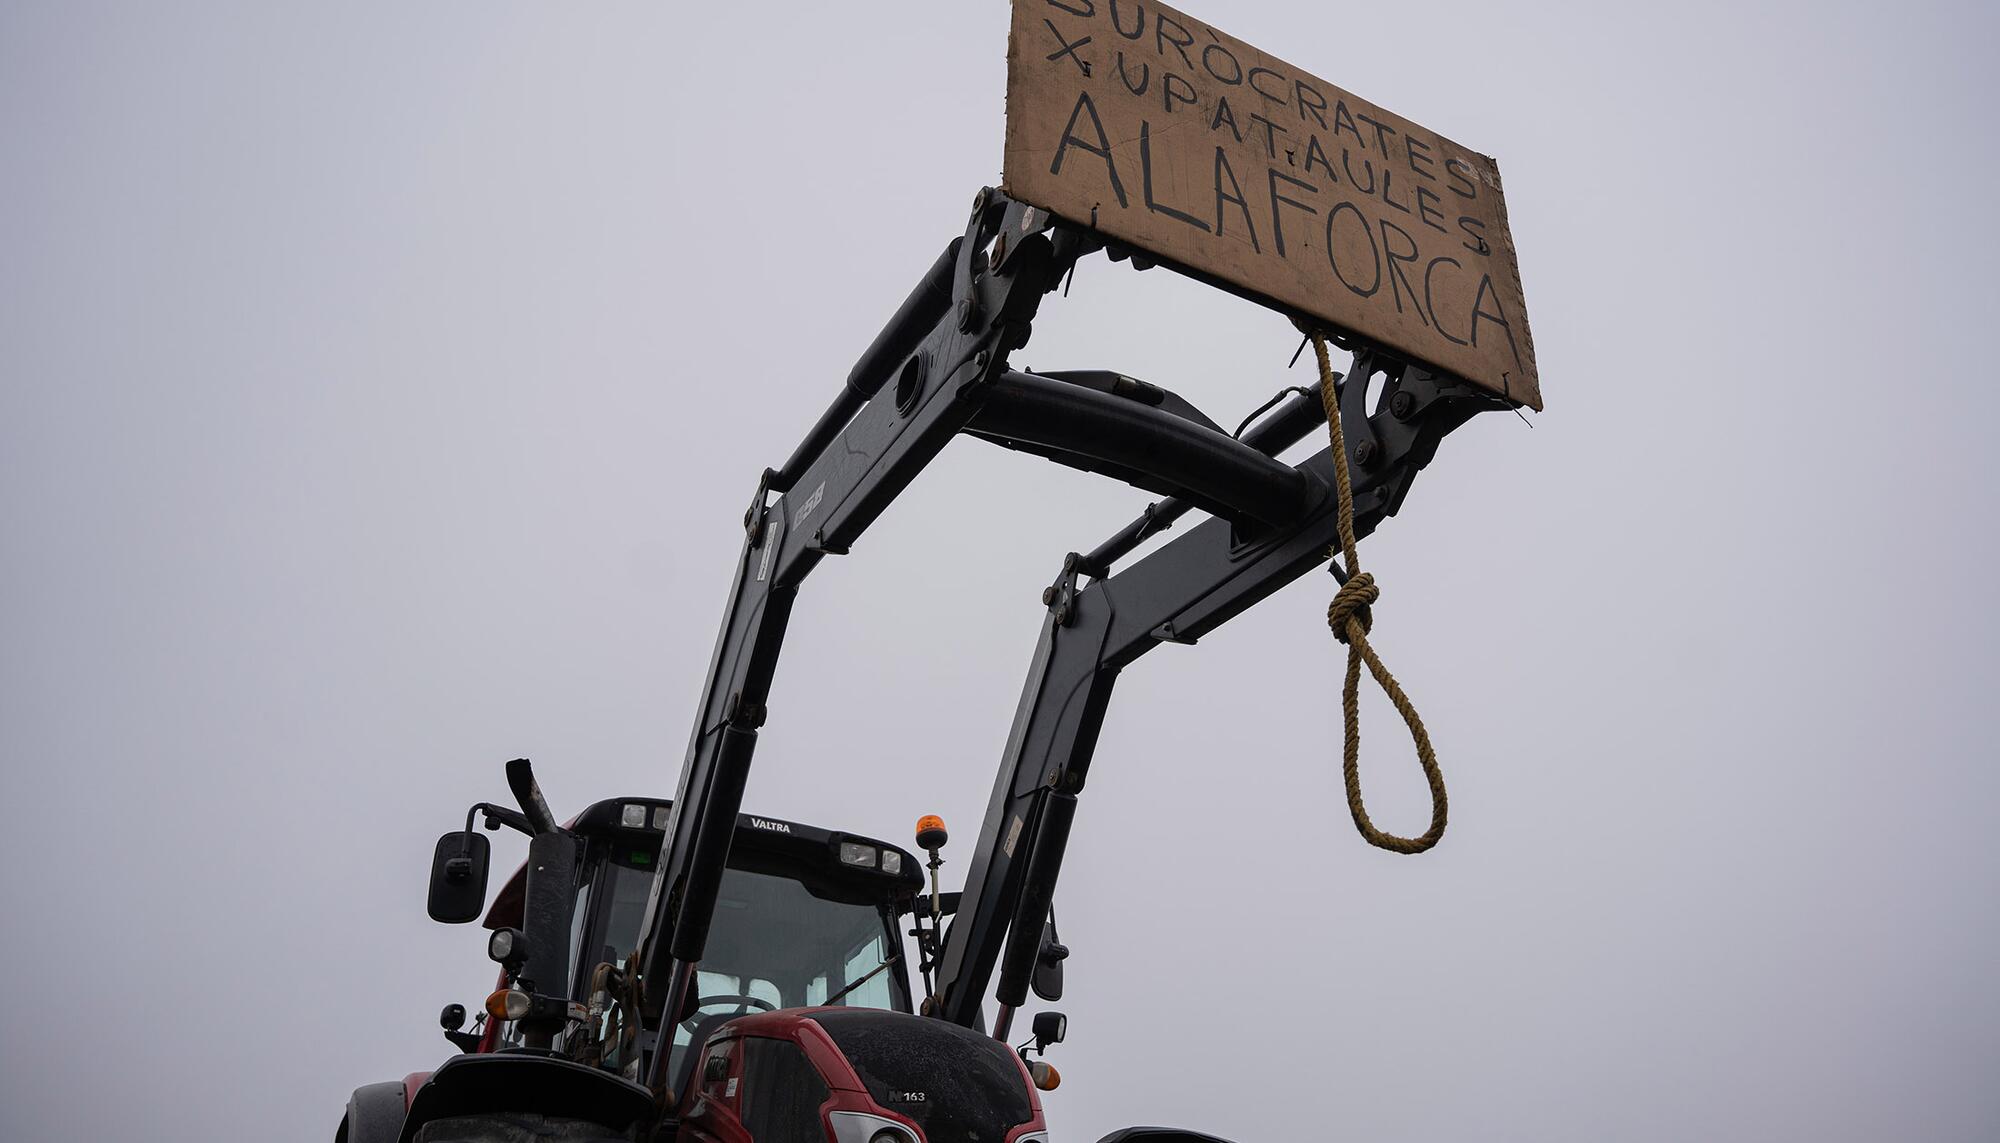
(930, 832)
(507, 1004)
(1045, 1075)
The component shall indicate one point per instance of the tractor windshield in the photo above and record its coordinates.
(805, 917)
(773, 941)
(772, 944)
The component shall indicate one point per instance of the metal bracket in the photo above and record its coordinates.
(760, 509)
(745, 715)
(1060, 596)
(998, 229)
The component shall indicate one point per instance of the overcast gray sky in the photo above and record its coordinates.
(381, 386)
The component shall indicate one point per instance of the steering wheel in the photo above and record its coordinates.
(743, 1002)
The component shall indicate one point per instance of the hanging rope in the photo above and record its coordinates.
(1349, 617)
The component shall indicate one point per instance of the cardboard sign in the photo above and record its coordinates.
(1162, 132)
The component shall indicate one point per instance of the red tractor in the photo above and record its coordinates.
(801, 1026)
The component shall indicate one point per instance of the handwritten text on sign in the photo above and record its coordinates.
(1186, 142)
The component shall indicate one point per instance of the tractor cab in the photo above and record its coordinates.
(806, 917)
(798, 1021)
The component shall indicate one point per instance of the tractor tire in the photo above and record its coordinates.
(517, 1127)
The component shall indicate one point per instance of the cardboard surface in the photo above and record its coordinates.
(1170, 135)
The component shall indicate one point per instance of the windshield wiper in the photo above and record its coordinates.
(886, 962)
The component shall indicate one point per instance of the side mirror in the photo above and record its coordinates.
(458, 877)
(1048, 978)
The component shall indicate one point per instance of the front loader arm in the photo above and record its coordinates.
(942, 348)
(1175, 595)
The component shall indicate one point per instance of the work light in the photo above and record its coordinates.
(507, 946)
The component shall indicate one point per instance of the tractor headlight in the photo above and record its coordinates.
(892, 862)
(855, 1127)
(858, 855)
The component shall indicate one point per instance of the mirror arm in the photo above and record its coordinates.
(497, 816)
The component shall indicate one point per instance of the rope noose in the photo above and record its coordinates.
(1350, 619)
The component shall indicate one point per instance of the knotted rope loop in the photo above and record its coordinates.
(1350, 605)
(1350, 618)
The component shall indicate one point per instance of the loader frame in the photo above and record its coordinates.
(939, 368)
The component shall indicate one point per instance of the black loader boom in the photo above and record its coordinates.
(940, 368)
(673, 970)
(677, 970)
